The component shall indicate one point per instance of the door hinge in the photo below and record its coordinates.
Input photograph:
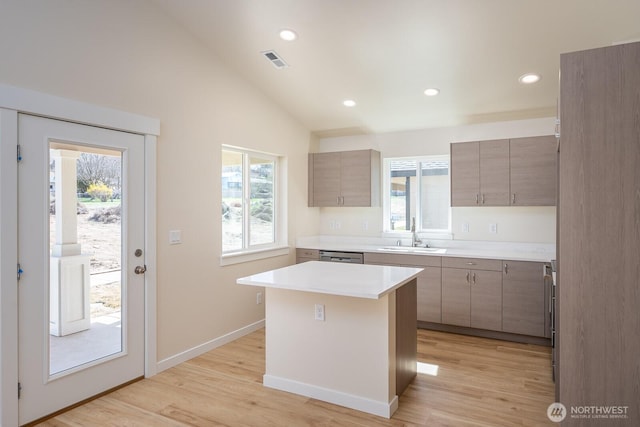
(19, 390)
(20, 271)
(19, 154)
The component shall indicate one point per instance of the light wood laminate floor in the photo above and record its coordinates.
(480, 382)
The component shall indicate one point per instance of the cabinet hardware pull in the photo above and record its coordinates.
(476, 198)
(483, 198)
(474, 278)
(471, 263)
(468, 277)
(513, 198)
(506, 268)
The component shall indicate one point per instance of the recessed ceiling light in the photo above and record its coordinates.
(288, 35)
(349, 103)
(529, 78)
(432, 91)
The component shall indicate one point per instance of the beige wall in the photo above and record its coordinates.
(518, 224)
(128, 55)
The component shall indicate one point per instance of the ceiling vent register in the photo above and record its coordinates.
(275, 59)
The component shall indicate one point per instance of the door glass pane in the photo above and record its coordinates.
(232, 220)
(86, 282)
(261, 223)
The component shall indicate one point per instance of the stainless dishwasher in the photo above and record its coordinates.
(346, 257)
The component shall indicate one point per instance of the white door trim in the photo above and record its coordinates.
(55, 107)
(8, 268)
(14, 100)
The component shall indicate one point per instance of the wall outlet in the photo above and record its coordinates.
(319, 312)
(465, 227)
(259, 298)
(365, 225)
(493, 228)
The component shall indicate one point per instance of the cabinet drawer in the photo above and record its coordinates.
(402, 259)
(472, 263)
(523, 270)
(308, 253)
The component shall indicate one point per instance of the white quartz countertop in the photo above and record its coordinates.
(488, 250)
(351, 280)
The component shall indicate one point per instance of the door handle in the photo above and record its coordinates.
(140, 269)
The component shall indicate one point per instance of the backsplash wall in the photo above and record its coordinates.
(513, 224)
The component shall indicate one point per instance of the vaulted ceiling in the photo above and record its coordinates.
(383, 54)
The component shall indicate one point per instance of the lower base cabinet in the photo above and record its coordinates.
(304, 255)
(429, 295)
(523, 298)
(487, 294)
(429, 283)
(472, 298)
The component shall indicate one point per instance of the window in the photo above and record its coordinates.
(249, 201)
(425, 199)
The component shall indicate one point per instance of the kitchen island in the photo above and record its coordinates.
(341, 333)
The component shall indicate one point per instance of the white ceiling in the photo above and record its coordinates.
(384, 53)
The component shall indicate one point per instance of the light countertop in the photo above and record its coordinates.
(451, 248)
(351, 280)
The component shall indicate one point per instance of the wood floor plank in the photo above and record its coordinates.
(480, 383)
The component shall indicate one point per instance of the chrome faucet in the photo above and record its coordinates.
(415, 240)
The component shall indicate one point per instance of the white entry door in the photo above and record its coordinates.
(81, 254)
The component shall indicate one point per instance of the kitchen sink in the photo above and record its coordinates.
(409, 249)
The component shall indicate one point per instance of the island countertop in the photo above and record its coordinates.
(351, 280)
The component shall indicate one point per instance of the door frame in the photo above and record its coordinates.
(15, 100)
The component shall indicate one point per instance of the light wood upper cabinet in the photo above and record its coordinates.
(494, 173)
(465, 173)
(516, 172)
(480, 173)
(348, 178)
(534, 174)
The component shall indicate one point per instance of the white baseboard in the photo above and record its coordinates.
(381, 409)
(174, 360)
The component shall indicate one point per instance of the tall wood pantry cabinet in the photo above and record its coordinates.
(344, 178)
(599, 232)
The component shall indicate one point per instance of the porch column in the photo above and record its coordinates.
(69, 269)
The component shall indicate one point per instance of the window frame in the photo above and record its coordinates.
(386, 199)
(279, 246)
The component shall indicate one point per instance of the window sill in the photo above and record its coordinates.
(247, 256)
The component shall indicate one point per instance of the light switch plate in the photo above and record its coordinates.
(175, 237)
(493, 228)
(465, 227)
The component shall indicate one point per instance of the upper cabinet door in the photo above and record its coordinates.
(326, 179)
(533, 171)
(356, 178)
(344, 178)
(465, 174)
(494, 173)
